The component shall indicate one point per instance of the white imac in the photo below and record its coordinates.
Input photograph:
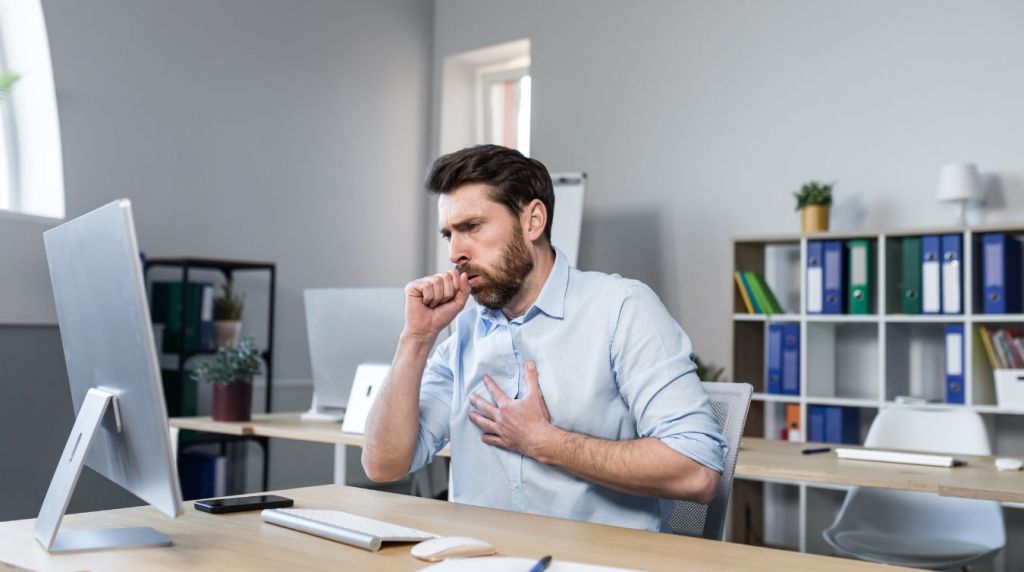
(348, 327)
(121, 429)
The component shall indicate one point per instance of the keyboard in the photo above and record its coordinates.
(898, 457)
(359, 531)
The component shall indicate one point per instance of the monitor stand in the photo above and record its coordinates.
(322, 413)
(99, 408)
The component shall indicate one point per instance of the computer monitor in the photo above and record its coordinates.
(348, 327)
(121, 429)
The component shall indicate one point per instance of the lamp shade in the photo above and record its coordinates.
(959, 182)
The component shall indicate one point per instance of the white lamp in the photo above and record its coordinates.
(959, 182)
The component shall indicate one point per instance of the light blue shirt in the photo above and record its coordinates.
(612, 364)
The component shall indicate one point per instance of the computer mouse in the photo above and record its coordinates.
(437, 549)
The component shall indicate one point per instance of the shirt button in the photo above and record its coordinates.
(515, 486)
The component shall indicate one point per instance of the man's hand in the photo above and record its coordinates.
(521, 425)
(431, 303)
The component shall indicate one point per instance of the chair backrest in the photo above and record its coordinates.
(955, 432)
(730, 402)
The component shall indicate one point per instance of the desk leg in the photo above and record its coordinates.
(339, 464)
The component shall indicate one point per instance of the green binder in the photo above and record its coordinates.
(910, 284)
(166, 310)
(770, 301)
(859, 300)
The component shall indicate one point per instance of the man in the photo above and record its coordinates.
(565, 393)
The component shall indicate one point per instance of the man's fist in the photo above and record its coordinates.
(431, 303)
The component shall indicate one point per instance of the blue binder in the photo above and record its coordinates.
(773, 375)
(952, 274)
(791, 359)
(842, 425)
(816, 423)
(931, 272)
(1002, 279)
(833, 265)
(955, 363)
(815, 285)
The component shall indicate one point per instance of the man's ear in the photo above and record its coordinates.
(535, 219)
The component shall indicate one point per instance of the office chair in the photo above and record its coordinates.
(920, 529)
(730, 402)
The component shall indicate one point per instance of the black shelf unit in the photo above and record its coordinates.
(227, 268)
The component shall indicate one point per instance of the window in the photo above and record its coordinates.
(31, 168)
(506, 106)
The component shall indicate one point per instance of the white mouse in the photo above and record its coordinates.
(437, 549)
(1008, 464)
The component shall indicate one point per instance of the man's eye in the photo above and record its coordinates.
(473, 226)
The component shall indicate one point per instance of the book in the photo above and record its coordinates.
(744, 295)
(986, 342)
(758, 309)
(773, 302)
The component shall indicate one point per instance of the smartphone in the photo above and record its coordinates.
(239, 504)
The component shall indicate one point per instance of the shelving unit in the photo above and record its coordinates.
(862, 361)
(227, 269)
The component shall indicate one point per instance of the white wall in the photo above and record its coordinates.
(293, 132)
(695, 120)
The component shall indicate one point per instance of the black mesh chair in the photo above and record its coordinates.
(730, 402)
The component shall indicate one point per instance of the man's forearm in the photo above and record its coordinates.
(644, 466)
(393, 423)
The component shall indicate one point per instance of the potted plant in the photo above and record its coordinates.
(227, 316)
(707, 371)
(230, 371)
(813, 202)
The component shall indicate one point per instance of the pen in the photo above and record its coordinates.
(813, 451)
(541, 564)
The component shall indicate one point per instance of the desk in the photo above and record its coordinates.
(759, 459)
(243, 542)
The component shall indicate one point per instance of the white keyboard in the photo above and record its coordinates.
(898, 457)
(343, 527)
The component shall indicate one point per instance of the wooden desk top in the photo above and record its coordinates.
(761, 459)
(242, 541)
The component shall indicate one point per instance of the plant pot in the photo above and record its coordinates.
(232, 401)
(227, 333)
(814, 218)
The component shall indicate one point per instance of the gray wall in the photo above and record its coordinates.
(695, 120)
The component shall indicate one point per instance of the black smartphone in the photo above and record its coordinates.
(239, 504)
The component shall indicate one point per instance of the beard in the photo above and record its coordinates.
(498, 287)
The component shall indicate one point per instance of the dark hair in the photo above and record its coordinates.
(514, 180)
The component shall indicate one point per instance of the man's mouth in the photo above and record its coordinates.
(474, 279)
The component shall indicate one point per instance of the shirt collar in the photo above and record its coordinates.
(551, 299)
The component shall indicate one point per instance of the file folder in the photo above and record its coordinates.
(955, 363)
(815, 277)
(758, 308)
(931, 271)
(744, 296)
(910, 283)
(791, 359)
(860, 299)
(842, 425)
(952, 275)
(816, 423)
(773, 375)
(833, 270)
(1002, 279)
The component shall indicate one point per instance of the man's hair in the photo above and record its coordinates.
(514, 180)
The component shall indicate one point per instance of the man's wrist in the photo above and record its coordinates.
(545, 447)
(417, 340)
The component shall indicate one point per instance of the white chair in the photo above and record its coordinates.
(918, 529)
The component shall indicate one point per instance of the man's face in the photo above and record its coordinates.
(486, 242)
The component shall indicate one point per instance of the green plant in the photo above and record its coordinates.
(231, 364)
(7, 81)
(814, 193)
(229, 305)
(707, 371)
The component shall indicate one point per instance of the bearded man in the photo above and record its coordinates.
(564, 393)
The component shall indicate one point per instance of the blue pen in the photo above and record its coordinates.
(541, 564)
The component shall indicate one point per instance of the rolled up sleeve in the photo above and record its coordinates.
(657, 378)
(435, 406)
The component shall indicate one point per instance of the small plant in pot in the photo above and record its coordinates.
(813, 201)
(230, 371)
(227, 316)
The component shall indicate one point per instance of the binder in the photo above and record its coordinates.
(955, 363)
(815, 277)
(952, 275)
(833, 265)
(791, 359)
(931, 270)
(1001, 264)
(743, 293)
(860, 299)
(770, 301)
(758, 309)
(910, 283)
(758, 293)
(842, 425)
(773, 375)
(816, 423)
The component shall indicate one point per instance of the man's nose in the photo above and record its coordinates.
(457, 250)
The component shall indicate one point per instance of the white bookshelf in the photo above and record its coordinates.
(862, 361)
